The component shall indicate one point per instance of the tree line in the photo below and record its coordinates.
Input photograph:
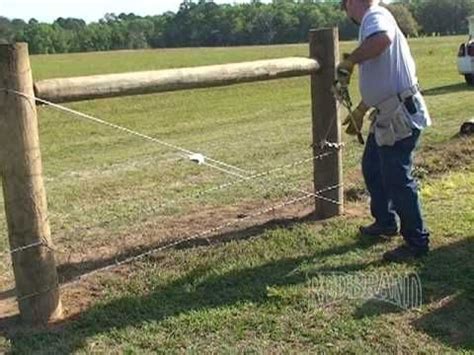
(204, 23)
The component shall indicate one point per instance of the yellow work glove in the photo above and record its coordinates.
(355, 121)
(344, 71)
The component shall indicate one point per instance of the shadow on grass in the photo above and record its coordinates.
(200, 289)
(447, 279)
(69, 271)
(446, 276)
(448, 89)
(448, 285)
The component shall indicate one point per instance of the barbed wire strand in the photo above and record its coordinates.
(197, 194)
(170, 202)
(29, 246)
(176, 243)
(183, 150)
(132, 132)
(197, 235)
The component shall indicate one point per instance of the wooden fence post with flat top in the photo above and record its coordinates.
(324, 47)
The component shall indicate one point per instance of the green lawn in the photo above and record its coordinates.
(247, 289)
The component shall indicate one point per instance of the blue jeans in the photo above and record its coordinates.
(393, 191)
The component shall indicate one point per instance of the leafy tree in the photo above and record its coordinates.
(71, 24)
(444, 17)
(6, 31)
(40, 37)
(405, 19)
(204, 23)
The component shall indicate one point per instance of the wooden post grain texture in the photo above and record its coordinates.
(34, 267)
(324, 47)
(139, 83)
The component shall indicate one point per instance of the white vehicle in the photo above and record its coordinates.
(466, 55)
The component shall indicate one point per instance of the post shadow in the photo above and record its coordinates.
(181, 296)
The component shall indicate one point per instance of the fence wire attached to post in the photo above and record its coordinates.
(327, 149)
(191, 238)
(215, 164)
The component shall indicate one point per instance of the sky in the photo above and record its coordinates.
(88, 10)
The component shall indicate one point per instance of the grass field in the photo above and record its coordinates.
(245, 289)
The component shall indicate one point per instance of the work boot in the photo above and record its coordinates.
(405, 253)
(376, 230)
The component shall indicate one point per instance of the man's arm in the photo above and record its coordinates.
(371, 48)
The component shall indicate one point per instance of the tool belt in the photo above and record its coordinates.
(392, 117)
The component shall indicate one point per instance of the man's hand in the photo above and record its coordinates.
(355, 119)
(344, 71)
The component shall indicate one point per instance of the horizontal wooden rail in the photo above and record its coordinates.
(113, 85)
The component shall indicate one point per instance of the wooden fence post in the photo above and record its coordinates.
(324, 47)
(24, 194)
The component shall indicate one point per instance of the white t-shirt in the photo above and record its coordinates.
(394, 70)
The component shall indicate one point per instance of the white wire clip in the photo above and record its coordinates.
(197, 158)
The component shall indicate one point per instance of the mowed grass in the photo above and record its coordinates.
(251, 294)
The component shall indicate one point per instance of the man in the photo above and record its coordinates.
(387, 83)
